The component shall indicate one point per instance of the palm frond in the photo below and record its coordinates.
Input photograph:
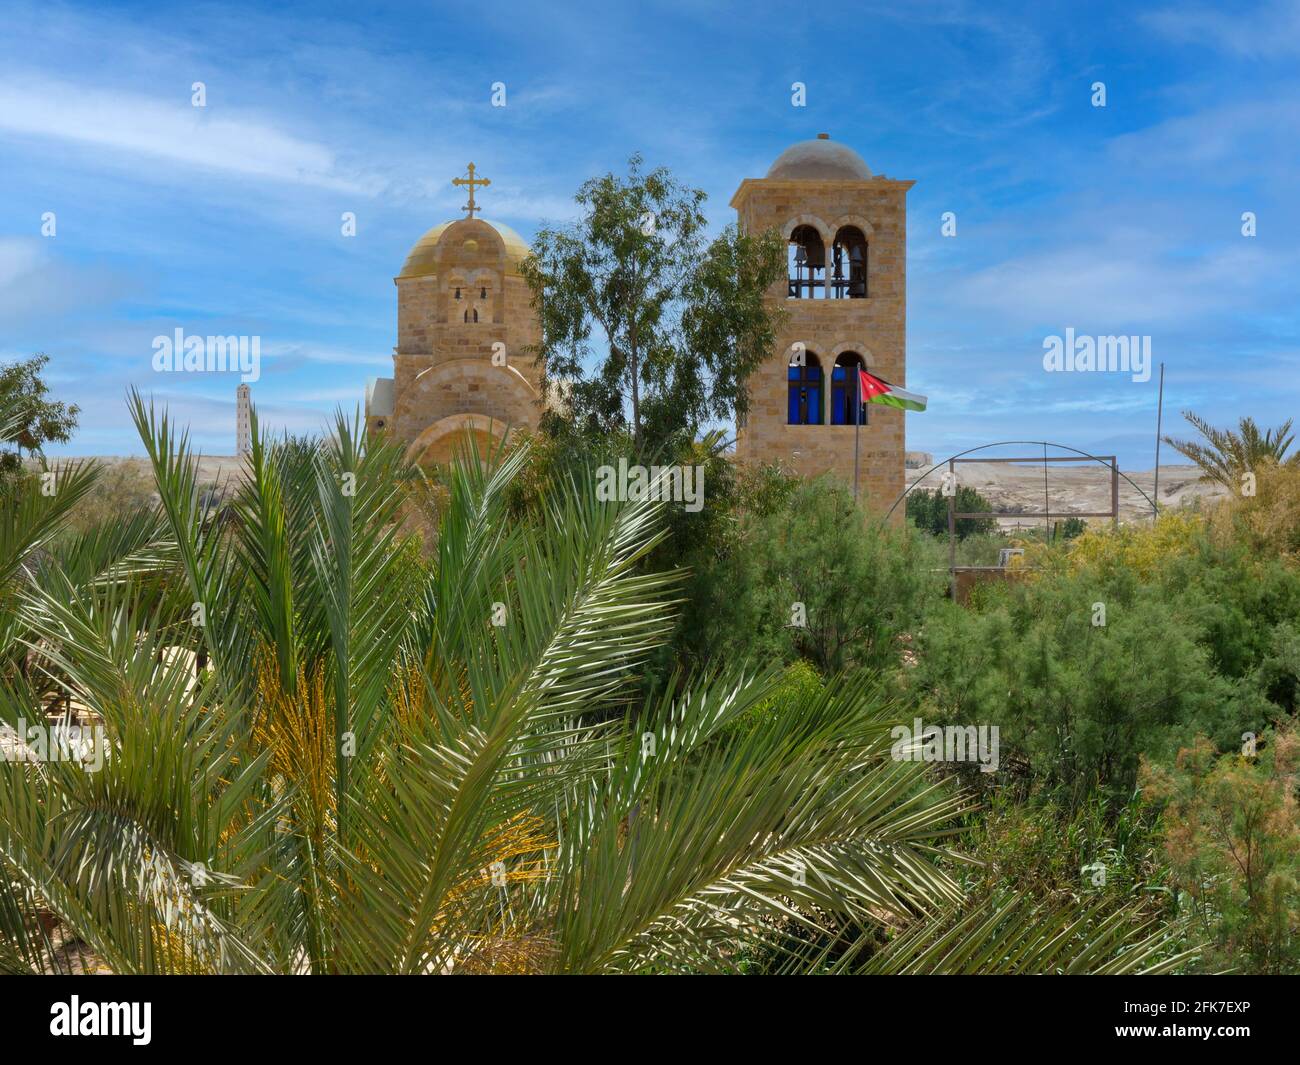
(1010, 934)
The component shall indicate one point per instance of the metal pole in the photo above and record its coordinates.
(952, 532)
(1047, 505)
(1160, 412)
(857, 423)
(1114, 489)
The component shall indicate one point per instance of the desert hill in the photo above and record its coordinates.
(1071, 488)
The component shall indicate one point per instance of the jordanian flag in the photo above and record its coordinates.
(874, 390)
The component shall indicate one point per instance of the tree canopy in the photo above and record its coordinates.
(31, 420)
(650, 325)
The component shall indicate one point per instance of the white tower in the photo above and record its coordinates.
(243, 423)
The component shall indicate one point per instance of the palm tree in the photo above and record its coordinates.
(1227, 454)
(421, 766)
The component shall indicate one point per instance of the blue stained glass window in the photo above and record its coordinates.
(804, 392)
(845, 396)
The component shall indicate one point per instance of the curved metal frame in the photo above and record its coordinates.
(1079, 456)
(1009, 443)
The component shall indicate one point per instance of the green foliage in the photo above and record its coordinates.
(1267, 523)
(1071, 528)
(376, 721)
(1140, 549)
(1233, 841)
(799, 681)
(859, 586)
(1077, 702)
(1227, 454)
(375, 776)
(30, 419)
(928, 509)
(1201, 634)
(1030, 843)
(1244, 606)
(681, 321)
(1014, 934)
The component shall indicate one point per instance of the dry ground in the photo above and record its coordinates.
(1071, 487)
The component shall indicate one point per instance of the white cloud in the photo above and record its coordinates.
(171, 131)
(18, 258)
(311, 352)
(35, 285)
(1270, 31)
(1225, 142)
(1106, 286)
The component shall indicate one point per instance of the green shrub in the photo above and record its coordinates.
(856, 585)
(1031, 845)
(1077, 703)
(799, 681)
(1233, 842)
(929, 510)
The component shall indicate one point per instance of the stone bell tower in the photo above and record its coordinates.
(845, 296)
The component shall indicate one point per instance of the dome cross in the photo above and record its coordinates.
(471, 181)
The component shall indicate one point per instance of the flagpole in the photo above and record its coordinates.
(1160, 413)
(857, 426)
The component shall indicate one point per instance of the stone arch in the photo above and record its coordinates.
(440, 442)
(809, 349)
(805, 390)
(846, 405)
(826, 233)
(471, 385)
(855, 220)
(854, 346)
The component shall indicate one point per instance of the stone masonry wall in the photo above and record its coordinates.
(874, 327)
(442, 363)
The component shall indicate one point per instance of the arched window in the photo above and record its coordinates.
(846, 396)
(807, 264)
(849, 265)
(805, 391)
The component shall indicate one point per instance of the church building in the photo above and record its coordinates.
(464, 320)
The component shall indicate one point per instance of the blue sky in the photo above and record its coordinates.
(226, 219)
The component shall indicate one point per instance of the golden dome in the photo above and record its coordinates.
(422, 260)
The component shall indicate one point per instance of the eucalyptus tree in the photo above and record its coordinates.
(646, 323)
(32, 418)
